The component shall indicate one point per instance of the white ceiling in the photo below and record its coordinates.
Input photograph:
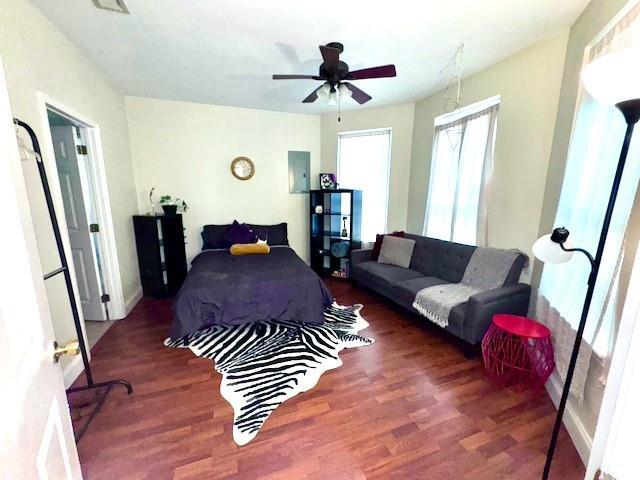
(224, 51)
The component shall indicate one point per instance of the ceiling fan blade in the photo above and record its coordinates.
(373, 72)
(330, 55)
(313, 96)
(357, 94)
(296, 77)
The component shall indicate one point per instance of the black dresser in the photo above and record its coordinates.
(162, 260)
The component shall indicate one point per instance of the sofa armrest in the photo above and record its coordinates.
(483, 306)
(361, 255)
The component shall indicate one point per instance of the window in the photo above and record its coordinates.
(461, 168)
(592, 159)
(363, 164)
(591, 164)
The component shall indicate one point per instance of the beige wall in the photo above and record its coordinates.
(529, 85)
(185, 150)
(38, 57)
(400, 119)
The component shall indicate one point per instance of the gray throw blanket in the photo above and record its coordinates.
(487, 269)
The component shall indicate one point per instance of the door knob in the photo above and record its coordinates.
(70, 348)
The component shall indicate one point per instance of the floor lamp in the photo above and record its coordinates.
(612, 79)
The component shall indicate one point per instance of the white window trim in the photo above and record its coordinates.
(466, 111)
(362, 133)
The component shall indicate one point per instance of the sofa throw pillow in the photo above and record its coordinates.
(379, 238)
(238, 233)
(396, 251)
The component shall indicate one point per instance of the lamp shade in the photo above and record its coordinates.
(323, 91)
(549, 251)
(614, 77)
(344, 91)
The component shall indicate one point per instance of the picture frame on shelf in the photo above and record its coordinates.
(328, 181)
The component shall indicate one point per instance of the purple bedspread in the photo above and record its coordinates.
(223, 289)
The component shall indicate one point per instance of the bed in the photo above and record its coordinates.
(223, 289)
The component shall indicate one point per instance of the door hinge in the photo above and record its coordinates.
(81, 149)
(105, 298)
(94, 228)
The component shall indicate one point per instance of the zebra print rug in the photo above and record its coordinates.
(264, 364)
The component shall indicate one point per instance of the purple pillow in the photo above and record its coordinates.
(238, 233)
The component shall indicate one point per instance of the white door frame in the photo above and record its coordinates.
(611, 449)
(98, 178)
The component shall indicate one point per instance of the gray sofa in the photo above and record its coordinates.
(436, 262)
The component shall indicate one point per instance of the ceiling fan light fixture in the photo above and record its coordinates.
(344, 91)
(323, 92)
(112, 5)
(333, 72)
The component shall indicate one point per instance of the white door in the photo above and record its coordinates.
(72, 186)
(36, 437)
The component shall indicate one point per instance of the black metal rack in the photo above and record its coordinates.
(332, 212)
(64, 268)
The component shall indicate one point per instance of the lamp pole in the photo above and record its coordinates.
(631, 111)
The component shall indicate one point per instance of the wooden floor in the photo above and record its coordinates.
(409, 407)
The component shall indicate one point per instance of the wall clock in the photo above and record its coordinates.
(242, 168)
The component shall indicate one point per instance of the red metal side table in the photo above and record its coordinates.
(518, 353)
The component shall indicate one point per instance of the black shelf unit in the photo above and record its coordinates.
(162, 259)
(326, 228)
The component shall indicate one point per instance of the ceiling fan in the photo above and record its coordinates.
(335, 75)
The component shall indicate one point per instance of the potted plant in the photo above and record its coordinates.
(171, 205)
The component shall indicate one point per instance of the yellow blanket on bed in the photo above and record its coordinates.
(249, 249)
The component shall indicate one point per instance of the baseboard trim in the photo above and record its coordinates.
(132, 301)
(577, 431)
(73, 370)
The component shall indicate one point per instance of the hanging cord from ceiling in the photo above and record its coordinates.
(452, 94)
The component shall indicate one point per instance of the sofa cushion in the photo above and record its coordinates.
(451, 260)
(406, 290)
(424, 254)
(396, 251)
(383, 275)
